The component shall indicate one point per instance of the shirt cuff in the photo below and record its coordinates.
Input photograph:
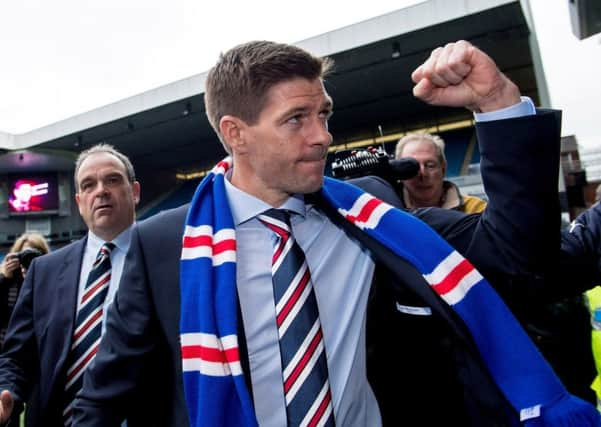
(523, 108)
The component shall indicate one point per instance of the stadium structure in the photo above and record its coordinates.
(166, 134)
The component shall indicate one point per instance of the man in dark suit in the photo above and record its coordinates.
(40, 336)
(276, 131)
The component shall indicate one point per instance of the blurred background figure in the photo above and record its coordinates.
(12, 271)
(592, 297)
(429, 188)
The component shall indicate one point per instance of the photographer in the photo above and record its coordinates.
(13, 270)
(417, 174)
(428, 187)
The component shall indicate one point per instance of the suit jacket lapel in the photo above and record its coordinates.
(405, 272)
(67, 284)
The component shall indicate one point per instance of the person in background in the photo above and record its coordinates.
(12, 271)
(429, 188)
(593, 302)
(59, 317)
(592, 298)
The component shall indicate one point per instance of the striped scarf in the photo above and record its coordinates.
(215, 389)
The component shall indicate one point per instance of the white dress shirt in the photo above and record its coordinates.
(93, 245)
(341, 272)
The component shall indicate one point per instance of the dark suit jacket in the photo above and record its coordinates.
(39, 336)
(580, 265)
(6, 283)
(507, 241)
(40, 332)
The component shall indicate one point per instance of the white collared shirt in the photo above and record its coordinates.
(93, 245)
(341, 272)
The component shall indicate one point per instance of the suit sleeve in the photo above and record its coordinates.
(18, 362)
(124, 348)
(517, 235)
(5, 312)
(580, 258)
(4, 283)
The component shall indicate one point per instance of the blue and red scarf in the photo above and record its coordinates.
(215, 388)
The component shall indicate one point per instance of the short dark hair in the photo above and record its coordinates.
(237, 85)
(104, 148)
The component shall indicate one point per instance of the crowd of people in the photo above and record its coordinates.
(278, 297)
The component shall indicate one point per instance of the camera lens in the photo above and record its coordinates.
(27, 255)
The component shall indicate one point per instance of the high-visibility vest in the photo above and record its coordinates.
(593, 299)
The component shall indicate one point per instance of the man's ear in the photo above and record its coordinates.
(136, 192)
(232, 132)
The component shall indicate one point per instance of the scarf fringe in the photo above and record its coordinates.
(567, 411)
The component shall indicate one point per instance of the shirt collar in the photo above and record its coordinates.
(121, 242)
(245, 206)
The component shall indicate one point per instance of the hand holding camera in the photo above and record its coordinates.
(18, 262)
(373, 161)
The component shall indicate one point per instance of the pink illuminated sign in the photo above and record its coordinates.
(33, 194)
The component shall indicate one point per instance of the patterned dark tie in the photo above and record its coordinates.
(302, 350)
(88, 327)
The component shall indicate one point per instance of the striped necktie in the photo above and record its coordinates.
(88, 327)
(302, 351)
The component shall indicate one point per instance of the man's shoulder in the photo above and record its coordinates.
(60, 255)
(473, 204)
(64, 251)
(175, 216)
(378, 187)
(159, 237)
(164, 229)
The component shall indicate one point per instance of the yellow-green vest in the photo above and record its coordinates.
(593, 299)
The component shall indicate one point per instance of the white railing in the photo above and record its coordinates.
(591, 161)
(470, 184)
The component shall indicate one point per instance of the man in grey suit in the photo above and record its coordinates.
(40, 340)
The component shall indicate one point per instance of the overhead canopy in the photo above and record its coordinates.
(165, 130)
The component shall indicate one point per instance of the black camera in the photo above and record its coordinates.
(27, 255)
(373, 161)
